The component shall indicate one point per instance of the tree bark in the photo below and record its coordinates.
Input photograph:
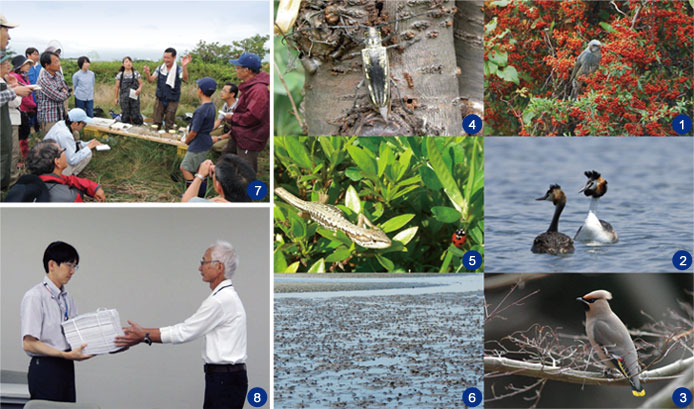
(424, 88)
(469, 54)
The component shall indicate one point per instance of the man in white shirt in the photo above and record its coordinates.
(44, 307)
(221, 321)
(229, 93)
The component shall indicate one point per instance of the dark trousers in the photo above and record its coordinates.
(87, 106)
(166, 113)
(52, 379)
(225, 390)
(250, 156)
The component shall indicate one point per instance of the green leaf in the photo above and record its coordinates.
(404, 162)
(509, 74)
(450, 186)
(607, 27)
(385, 157)
(429, 178)
(446, 261)
(385, 262)
(406, 235)
(340, 254)
(293, 268)
(446, 214)
(352, 199)
(298, 227)
(499, 57)
(528, 116)
(318, 267)
(297, 151)
(353, 174)
(365, 162)
(280, 262)
(396, 222)
(491, 26)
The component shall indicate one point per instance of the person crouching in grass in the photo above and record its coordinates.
(198, 139)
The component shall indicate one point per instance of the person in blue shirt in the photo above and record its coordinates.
(198, 139)
(83, 83)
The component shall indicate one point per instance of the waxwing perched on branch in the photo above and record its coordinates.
(586, 63)
(609, 337)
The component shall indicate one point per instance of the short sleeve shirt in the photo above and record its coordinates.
(127, 75)
(203, 122)
(44, 308)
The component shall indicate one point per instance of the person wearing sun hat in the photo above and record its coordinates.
(78, 153)
(250, 122)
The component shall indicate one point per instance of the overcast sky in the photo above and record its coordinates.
(114, 29)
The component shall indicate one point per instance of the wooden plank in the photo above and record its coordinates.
(167, 141)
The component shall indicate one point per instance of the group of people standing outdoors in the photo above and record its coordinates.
(35, 95)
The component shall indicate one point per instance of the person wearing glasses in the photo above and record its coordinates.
(44, 307)
(78, 153)
(221, 321)
(47, 160)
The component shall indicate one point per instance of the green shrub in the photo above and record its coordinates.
(417, 190)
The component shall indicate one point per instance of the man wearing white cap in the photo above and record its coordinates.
(78, 153)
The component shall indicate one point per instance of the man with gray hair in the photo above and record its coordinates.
(221, 321)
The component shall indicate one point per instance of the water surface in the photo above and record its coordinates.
(649, 202)
(409, 342)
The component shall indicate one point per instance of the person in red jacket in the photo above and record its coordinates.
(250, 121)
(47, 160)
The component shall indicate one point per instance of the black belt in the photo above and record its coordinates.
(217, 368)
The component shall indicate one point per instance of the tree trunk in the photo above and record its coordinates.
(423, 85)
(469, 53)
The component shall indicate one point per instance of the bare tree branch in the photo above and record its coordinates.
(663, 398)
(556, 373)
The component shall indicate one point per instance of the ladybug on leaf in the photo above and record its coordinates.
(459, 238)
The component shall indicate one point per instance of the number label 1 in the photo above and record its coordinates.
(472, 397)
(257, 397)
(682, 260)
(682, 124)
(472, 260)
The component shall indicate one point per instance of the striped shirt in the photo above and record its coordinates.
(51, 96)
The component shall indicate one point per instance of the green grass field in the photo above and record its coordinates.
(136, 170)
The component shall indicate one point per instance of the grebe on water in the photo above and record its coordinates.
(594, 229)
(551, 241)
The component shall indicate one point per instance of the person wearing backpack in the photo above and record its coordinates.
(128, 88)
(47, 160)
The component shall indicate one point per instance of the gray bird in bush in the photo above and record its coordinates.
(586, 63)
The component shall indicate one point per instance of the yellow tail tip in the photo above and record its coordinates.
(639, 394)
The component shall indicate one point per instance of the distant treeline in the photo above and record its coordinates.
(209, 60)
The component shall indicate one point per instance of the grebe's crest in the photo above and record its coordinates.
(596, 186)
